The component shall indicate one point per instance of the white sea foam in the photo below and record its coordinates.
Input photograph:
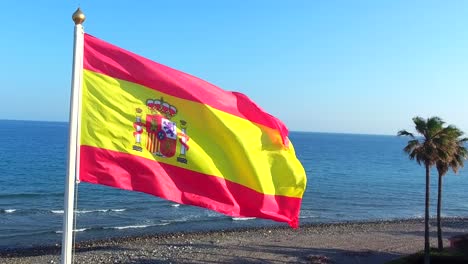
(118, 210)
(85, 211)
(242, 218)
(134, 226)
(418, 216)
(175, 205)
(99, 211)
(308, 216)
(179, 220)
(78, 211)
(9, 211)
(75, 230)
(90, 211)
(129, 227)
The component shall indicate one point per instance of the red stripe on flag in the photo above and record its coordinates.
(105, 58)
(125, 171)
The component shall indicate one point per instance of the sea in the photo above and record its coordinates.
(351, 177)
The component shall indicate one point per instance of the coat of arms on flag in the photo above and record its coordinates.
(161, 132)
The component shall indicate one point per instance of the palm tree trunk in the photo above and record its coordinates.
(426, 219)
(440, 243)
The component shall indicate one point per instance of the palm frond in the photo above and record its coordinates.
(420, 125)
(405, 133)
(456, 163)
(412, 145)
(451, 132)
(435, 126)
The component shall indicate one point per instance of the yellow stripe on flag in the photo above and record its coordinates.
(220, 144)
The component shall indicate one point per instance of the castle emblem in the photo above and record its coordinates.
(163, 137)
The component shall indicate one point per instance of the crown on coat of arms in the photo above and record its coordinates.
(162, 107)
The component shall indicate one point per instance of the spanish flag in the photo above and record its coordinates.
(149, 128)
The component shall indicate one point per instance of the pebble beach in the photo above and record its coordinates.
(359, 242)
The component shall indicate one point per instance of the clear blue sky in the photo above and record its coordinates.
(325, 66)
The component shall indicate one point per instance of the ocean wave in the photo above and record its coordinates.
(89, 211)
(75, 230)
(128, 227)
(242, 218)
(308, 216)
(118, 210)
(134, 226)
(418, 216)
(194, 218)
(8, 211)
(179, 220)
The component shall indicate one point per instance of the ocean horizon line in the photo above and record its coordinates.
(294, 131)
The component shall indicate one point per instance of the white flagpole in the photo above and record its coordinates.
(73, 163)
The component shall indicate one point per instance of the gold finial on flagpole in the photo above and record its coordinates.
(79, 17)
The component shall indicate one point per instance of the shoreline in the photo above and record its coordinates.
(345, 242)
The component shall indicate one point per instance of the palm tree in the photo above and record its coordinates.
(427, 150)
(458, 154)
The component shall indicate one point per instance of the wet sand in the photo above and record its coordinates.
(367, 242)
